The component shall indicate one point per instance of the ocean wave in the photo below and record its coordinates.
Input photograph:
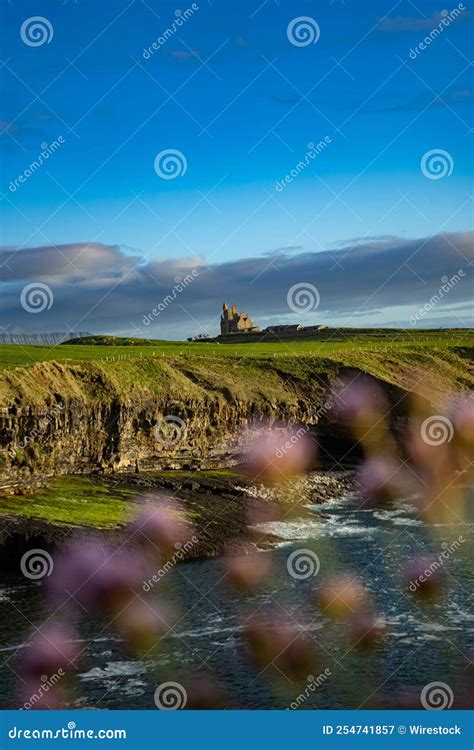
(303, 529)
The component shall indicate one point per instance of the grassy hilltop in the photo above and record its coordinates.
(440, 360)
(329, 342)
(216, 386)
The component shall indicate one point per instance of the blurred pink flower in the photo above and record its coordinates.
(424, 576)
(283, 645)
(382, 479)
(279, 454)
(365, 631)
(52, 648)
(163, 527)
(359, 399)
(463, 420)
(89, 574)
(41, 695)
(342, 596)
(143, 624)
(247, 571)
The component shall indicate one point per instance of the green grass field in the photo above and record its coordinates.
(438, 362)
(326, 345)
(74, 501)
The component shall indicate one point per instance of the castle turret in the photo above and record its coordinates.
(234, 321)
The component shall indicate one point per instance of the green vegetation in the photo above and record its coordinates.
(261, 372)
(103, 504)
(214, 380)
(73, 502)
(110, 348)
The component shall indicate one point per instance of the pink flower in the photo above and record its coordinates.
(424, 577)
(162, 527)
(359, 400)
(365, 631)
(92, 575)
(281, 645)
(247, 571)
(52, 648)
(382, 479)
(342, 596)
(279, 454)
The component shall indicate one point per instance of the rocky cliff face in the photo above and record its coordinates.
(111, 432)
(187, 412)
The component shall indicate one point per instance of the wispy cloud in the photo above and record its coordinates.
(183, 54)
(410, 23)
(451, 98)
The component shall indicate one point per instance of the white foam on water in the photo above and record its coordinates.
(204, 632)
(111, 674)
(395, 517)
(331, 503)
(115, 669)
(459, 615)
(303, 528)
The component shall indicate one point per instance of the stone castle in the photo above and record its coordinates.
(238, 326)
(233, 321)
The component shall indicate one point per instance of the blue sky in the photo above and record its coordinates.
(241, 102)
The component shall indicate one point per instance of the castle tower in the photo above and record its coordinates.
(225, 323)
(234, 321)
